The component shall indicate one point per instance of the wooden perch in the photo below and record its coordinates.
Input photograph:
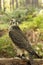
(13, 61)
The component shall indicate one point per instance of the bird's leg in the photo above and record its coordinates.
(24, 54)
(21, 54)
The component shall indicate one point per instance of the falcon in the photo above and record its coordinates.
(20, 40)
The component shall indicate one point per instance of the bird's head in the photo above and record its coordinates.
(13, 22)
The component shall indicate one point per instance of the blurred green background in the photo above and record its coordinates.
(29, 15)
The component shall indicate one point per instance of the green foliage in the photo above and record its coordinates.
(39, 21)
(23, 14)
(20, 14)
(4, 26)
(28, 25)
(36, 22)
(39, 48)
(6, 47)
(4, 18)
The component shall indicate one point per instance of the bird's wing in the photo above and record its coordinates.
(19, 38)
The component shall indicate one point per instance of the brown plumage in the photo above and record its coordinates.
(19, 39)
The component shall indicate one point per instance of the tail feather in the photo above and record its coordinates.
(35, 54)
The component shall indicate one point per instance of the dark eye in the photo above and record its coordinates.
(13, 22)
